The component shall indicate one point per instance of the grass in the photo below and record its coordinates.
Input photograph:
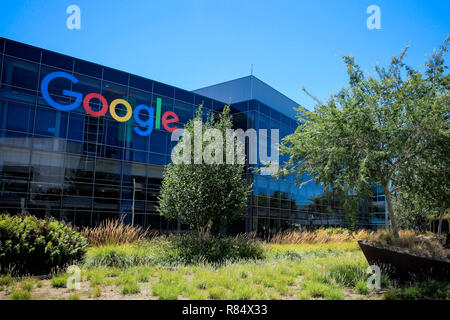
(413, 242)
(59, 281)
(316, 289)
(330, 271)
(6, 280)
(169, 286)
(420, 290)
(114, 232)
(74, 296)
(21, 294)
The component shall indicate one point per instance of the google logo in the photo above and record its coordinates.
(167, 118)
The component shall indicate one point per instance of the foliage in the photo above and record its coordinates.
(114, 232)
(427, 182)
(412, 241)
(32, 245)
(59, 281)
(430, 289)
(21, 294)
(204, 196)
(378, 129)
(189, 248)
(327, 235)
(120, 256)
(412, 212)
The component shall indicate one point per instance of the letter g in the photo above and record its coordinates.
(63, 107)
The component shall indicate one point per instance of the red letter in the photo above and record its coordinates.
(88, 109)
(166, 121)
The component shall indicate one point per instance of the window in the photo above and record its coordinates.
(22, 51)
(88, 68)
(163, 89)
(158, 141)
(115, 76)
(184, 95)
(141, 83)
(57, 60)
(51, 122)
(20, 74)
(76, 127)
(184, 111)
(16, 116)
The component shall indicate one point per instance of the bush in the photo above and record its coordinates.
(114, 232)
(59, 281)
(120, 256)
(21, 295)
(318, 236)
(202, 195)
(32, 245)
(189, 248)
(412, 242)
(430, 289)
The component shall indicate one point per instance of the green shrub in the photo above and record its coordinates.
(20, 295)
(120, 256)
(74, 296)
(131, 287)
(189, 248)
(59, 281)
(6, 280)
(361, 287)
(430, 289)
(320, 290)
(32, 245)
(169, 286)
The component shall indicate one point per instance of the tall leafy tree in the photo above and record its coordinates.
(377, 129)
(427, 182)
(201, 195)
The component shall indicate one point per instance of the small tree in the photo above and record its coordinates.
(201, 195)
(377, 129)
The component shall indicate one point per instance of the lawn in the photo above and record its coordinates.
(303, 271)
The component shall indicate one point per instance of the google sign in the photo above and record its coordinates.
(167, 118)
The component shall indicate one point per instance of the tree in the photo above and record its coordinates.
(378, 129)
(411, 211)
(203, 195)
(427, 183)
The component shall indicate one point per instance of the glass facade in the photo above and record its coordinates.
(80, 168)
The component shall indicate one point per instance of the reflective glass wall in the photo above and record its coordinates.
(71, 165)
(80, 168)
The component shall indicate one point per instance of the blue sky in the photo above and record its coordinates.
(195, 43)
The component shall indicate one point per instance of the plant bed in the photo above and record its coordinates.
(405, 266)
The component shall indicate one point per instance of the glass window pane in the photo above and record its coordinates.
(22, 51)
(51, 122)
(16, 116)
(20, 74)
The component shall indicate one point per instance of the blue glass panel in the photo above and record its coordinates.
(22, 51)
(184, 95)
(163, 89)
(51, 122)
(57, 60)
(141, 83)
(88, 68)
(16, 116)
(20, 74)
(158, 141)
(76, 126)
(115, 76)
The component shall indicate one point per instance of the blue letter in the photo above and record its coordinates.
(44, 89)
(141, 123)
